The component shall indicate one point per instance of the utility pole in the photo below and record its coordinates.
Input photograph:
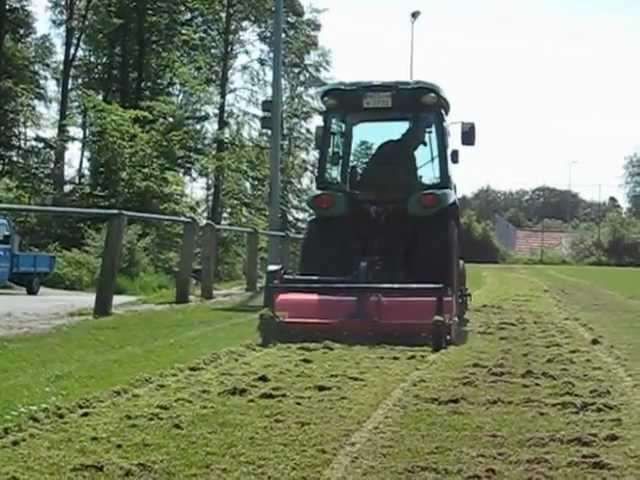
(414, 16)
(276, 136)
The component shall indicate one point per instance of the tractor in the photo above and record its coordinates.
(380, 259)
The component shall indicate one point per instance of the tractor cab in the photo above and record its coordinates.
(381, 255)
(386, 140)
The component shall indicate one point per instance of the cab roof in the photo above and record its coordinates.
(389, 86)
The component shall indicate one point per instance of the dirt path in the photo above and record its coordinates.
(20, 313)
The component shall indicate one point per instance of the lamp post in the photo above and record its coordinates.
(571, 164)
(414, 16)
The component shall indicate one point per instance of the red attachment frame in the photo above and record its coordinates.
(365, 314)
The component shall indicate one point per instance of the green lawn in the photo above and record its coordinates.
(624, 281)
(598, 298)
(476, 277)
(94, 355)
(527, 397)
(539, 391)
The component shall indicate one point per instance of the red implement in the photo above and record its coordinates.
(367, 314)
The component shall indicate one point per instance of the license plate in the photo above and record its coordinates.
(377, 100)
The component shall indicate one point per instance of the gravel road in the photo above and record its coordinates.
(20, 313)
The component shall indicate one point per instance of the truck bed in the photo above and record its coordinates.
(32, 263)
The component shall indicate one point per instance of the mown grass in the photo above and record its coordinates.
(601, 307)
(622, 280)
(529, 397)
(245, 413)
(476, 277)
(532, 395)
(93, 355)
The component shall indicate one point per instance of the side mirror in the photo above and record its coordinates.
(318, 137)
(455, 156)
(468, 133)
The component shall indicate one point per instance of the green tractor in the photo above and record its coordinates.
(381, 257)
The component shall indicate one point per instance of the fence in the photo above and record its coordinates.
(505, 233)
(112, 252)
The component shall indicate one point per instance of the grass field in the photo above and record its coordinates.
(624, 281)
(546, 387)
(95, 355)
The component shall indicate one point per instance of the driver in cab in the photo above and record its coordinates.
(392, 168)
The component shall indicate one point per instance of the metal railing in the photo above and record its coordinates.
(112, 252)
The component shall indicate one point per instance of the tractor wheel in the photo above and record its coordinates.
(33, 286)
(268, 328)
(454, 258)
(462, 290)
(438, 336)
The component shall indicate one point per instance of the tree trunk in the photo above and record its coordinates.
(61, 138)
(141, 40)
(83, 145)
(107, 87)
(218, 181)
(72, 38)
(3, 33)
(124, 81)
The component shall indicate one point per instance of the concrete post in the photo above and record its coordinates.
(252, 261)
(209, 253)
(103, 305)
(185, 268)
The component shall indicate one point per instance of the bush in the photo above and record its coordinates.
(78, 269)
(619, 242)
(144, 285)
(550, 257)
(75, 270)
(479, 243)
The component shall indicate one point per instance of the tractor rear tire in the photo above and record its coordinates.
(268, 328)
(33, 286)
(462, 290)
(438, 337)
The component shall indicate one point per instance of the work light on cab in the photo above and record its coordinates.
(330, 102)
(430, 100)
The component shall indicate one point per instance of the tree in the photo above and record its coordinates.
(632, 183)
(70, 16)
(361, 154)
(25, 64)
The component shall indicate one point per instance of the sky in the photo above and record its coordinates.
(553, 85)
(548, 83)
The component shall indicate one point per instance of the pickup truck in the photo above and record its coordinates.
(25, 269)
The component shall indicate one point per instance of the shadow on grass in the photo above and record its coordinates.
(251, 303)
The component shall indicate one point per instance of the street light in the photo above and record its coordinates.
(414, 16)
(571, 164)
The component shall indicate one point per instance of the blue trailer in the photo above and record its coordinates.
(26, 269)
